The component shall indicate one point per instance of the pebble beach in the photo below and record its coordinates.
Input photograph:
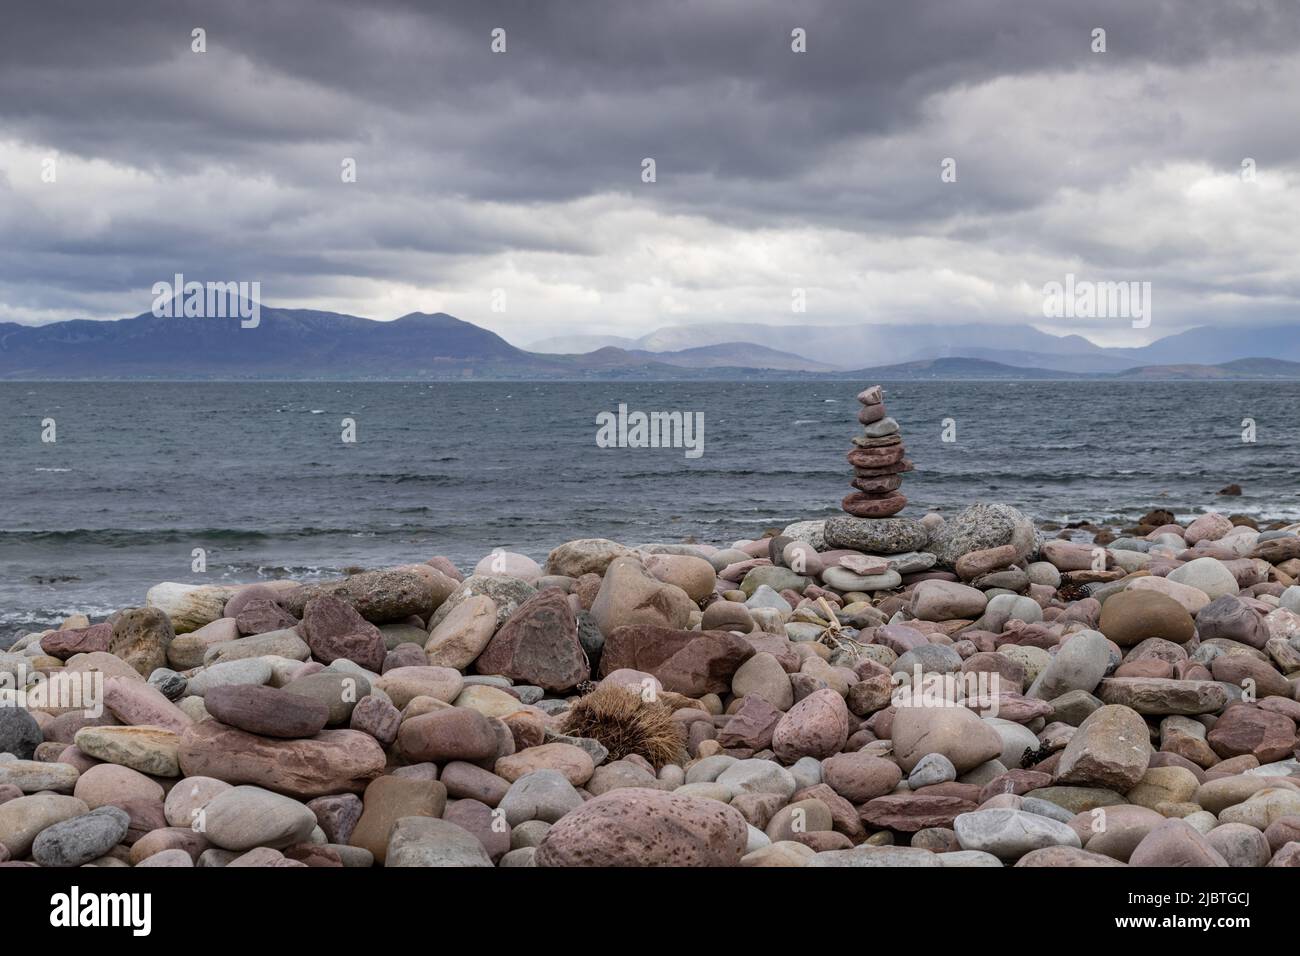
(875, 689)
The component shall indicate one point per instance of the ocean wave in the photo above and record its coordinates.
(123, 537)
(42, 617)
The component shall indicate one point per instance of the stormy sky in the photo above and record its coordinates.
(775, 170)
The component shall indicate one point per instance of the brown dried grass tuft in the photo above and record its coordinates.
(626, 723)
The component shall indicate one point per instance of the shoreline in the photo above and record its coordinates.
(736, 688)
(1085, 530)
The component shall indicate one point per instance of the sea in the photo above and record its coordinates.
(109, 488)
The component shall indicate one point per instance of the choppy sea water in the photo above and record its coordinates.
(258, 476)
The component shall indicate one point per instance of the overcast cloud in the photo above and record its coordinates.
(776, 170)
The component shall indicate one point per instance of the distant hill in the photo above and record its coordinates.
(1011, 343)
(577, 344)
(958, 368)
(291, 344)
(856, 346)
(1253, 369)
(735, 355)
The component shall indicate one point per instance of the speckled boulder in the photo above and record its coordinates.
(632, 826)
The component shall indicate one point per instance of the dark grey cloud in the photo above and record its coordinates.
(522, 170)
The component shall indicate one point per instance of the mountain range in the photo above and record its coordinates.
(866, 345)
(304, 344)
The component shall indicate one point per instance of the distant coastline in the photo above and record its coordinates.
(305, 346)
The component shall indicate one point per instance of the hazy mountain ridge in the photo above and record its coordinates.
(849, 347)
(306, 344)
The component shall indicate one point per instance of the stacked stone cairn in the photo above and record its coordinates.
(878, 460)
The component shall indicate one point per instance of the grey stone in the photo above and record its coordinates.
(252, 670)
(1079, 664)
(758, 776)
(1010, 834)
(171, 684)
(842, 579)
(933, 768)
(245, 817)
(431, 841)
(807, 772)
(871, 856)
(809, 532)
(876, 535)
(20, 734)
(81, 839)
(1045, 808)
(969, 858)
(982, 526)
(541, 795)
(507, 592)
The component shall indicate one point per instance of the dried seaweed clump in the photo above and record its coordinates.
(626, 723)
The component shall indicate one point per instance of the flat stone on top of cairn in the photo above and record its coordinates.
(879, 459)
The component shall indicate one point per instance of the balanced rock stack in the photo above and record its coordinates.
(878, 460)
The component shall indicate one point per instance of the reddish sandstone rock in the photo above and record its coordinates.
(334, 761)
(377, 717)
(909, 812)
(139, 704)
(78, 640)
(1288, 855)
(629, 595)
(1015, 781)
(1233, 618)
(641, 647)
(863, 505)
(538, 645)
(817, 726)
(1160, 696)
(1249, 729)
(859, 777)
(881, 457)
(973, 564)
(266, 710)
(1130, 617)
(168, 838)
(751, 725)
(1249, 673)
(573, 762)
(633, 826)
(262, 617)
(334, 630)
(337, 815)
(1110, 750)
(954, 732)
(457, 733)
(246, 595)
(1175, 843)
(705, 664)
(685, 662)
(1065, 856)
(844, 815)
